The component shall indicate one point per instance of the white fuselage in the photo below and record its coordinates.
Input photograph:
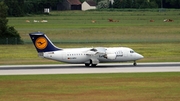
(83, 55)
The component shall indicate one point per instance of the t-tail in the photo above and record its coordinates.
(42, 42)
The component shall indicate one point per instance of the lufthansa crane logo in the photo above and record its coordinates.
(41, 43)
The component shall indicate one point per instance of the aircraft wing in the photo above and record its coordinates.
(97, 51)
(100, 51)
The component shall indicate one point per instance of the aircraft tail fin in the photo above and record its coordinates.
(42, 42)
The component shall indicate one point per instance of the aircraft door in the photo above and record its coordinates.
(64, 55)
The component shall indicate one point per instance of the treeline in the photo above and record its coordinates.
(24, 7)
(142, 4)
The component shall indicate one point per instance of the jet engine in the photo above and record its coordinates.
(110, 56)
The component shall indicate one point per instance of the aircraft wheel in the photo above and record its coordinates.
(135, 64)
(93, 65)
(87, 64)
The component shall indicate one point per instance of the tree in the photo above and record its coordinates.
(103, 4)
(7, 32)
(37, 6)
(3, 20)
(171, 4)
(16, 7)
(117, 4)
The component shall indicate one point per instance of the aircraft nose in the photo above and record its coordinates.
(139, 56)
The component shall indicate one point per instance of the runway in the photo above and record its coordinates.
(81, 69)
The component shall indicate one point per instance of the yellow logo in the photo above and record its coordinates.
(41, 43)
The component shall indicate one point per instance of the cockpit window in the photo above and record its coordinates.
(131, 51)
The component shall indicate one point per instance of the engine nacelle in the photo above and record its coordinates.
(111, 56)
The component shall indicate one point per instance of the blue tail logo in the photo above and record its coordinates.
(42, 42)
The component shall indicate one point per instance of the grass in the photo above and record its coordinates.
(158, 41)
(91, 87)
(76, 26)
(153, 52)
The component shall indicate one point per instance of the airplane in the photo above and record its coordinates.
(87, 56)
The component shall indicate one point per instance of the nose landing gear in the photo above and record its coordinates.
(135, 64)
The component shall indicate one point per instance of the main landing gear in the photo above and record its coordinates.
(88, 64)
(93, 63)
